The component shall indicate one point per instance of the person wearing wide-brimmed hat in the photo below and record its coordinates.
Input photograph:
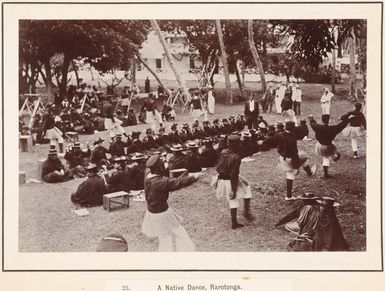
(178, 159)
(356, 127)
(90, 192)
(98, 155)
(119, 180)
(326, 100)
(53, 170)
(160, 220)
(77, 159)
(117, 146)
(325, 134)
(328, 234)
(230, 185)
(291, 159)
(193, 158)
(305, 225)
(137, 171)
(301, 219)
(50, 131)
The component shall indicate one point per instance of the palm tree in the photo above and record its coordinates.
(255, 54)
(169, 57)
(224, 61)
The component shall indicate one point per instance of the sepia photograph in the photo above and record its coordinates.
(192, 146)
(192, 135)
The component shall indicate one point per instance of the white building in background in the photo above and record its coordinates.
(185, 58)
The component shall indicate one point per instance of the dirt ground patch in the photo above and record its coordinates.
(46, 223)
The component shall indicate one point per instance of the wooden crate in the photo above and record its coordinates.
(120, 198)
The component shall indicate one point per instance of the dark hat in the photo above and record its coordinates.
(148, 130)
(206, 122)
(176, 148)
(52, 147)
(162, 129)
(279, 124)
(174, 125)
(307, 196)
(233, 137)
(289, 125)
(137, 157)
(113, 243)
(216, 120)
(90, 166)
(77, 144)
(358, 106)
(98, 141)
(325, 118)
(135, 134)
(231, 116)
(52, 152)
(192, 145)
(225, 120)
(303, 121)
(328, 201)
(152, 160)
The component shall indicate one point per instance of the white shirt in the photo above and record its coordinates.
(251, 105)
(326, 98)
(297, 95)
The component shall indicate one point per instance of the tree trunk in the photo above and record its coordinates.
(169, 57)
(334, 71)
(352, 75)
(153, 73)
(239, 80)
(224, 62)
(133, 71)
(64, 76)
(75, 68)
(254, 52)
(243, 72)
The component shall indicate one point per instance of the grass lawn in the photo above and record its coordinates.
(46, 223)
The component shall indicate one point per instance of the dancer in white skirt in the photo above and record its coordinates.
(197, 109)
(325, 134)
(326, 100)
(356, 128)
(291, 159)
(230, 185)
(153, 117)
(160, 220)
(50, 131)
(111, 123)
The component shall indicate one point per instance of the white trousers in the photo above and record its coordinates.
(326, 161)
(354, 144)
(183, 242)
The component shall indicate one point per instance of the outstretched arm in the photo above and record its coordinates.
(180, 182)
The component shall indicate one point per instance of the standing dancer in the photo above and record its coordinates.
(160, 220)
(279, 95)
(111, 123)
(230, 185)
(356, 128)
(50, 131)
(325, 134)
(291, 159)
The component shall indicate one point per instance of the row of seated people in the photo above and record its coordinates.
(252, 142)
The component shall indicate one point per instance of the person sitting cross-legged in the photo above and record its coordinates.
(53, 170)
